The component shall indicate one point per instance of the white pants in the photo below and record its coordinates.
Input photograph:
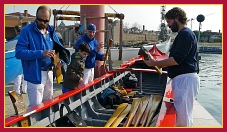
(185, 88)
(88, 75)
(37, 93)
(17, 84)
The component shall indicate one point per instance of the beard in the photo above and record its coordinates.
(90, 36)
(41, 26)
(174, 27)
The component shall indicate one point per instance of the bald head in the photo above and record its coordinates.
(43, 14)
(43, 10)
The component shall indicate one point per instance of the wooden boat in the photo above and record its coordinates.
(13, 66)
(84, 100)
(128, 52)
(210, 49)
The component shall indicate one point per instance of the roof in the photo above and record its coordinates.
(15, 18)
(18, 14)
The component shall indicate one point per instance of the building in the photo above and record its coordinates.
(68, 33)
(16, 18)
(210, 37)
(133, 38)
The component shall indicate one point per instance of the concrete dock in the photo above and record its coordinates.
(201, 117)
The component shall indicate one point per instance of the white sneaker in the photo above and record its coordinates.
(23, 92)
(18, 92)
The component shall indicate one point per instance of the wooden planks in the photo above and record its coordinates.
(155, 101)
(135, 105)
(140, 112)
(121, 116)
(116, 113)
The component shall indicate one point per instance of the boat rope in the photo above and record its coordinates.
(61, 14)
(67, 7)
(61, 7)
(113, 9)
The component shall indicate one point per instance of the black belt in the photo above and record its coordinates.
(48, 69)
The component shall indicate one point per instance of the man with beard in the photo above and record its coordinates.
(182, 66)
(36, 45)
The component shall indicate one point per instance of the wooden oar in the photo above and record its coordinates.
(19, 107)
(18, 102)
(57, 70)
(145, 114)
(146, 54)
(142, 107)
(121, 116)
(107, 51)
(103, 68)
(158, 69)
(136, 115)
(116, 113)
(135, 105)
(156, 99)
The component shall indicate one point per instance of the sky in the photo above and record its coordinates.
(147, 15)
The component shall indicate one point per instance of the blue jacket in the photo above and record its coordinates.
(30, 50)
(93, 56)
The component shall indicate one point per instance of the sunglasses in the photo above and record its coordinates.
(41, 20)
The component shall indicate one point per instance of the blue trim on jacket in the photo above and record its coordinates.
(30, 51)
(93, 56)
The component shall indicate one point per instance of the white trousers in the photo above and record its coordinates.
(88, 75)
(185, 88)
(17, 83)
(38, 93)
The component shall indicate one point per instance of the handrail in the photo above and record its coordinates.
(135, 70)
(49, 103)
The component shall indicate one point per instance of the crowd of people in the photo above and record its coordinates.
(38, 43)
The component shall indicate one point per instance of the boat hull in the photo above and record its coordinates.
(210, 49)
(13, 66)
(128, 53)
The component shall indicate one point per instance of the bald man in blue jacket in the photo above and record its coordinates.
(36, 45)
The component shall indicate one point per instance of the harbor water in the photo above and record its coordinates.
(211, 91)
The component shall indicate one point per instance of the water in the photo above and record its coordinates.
(211, 91)
(210, 94)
